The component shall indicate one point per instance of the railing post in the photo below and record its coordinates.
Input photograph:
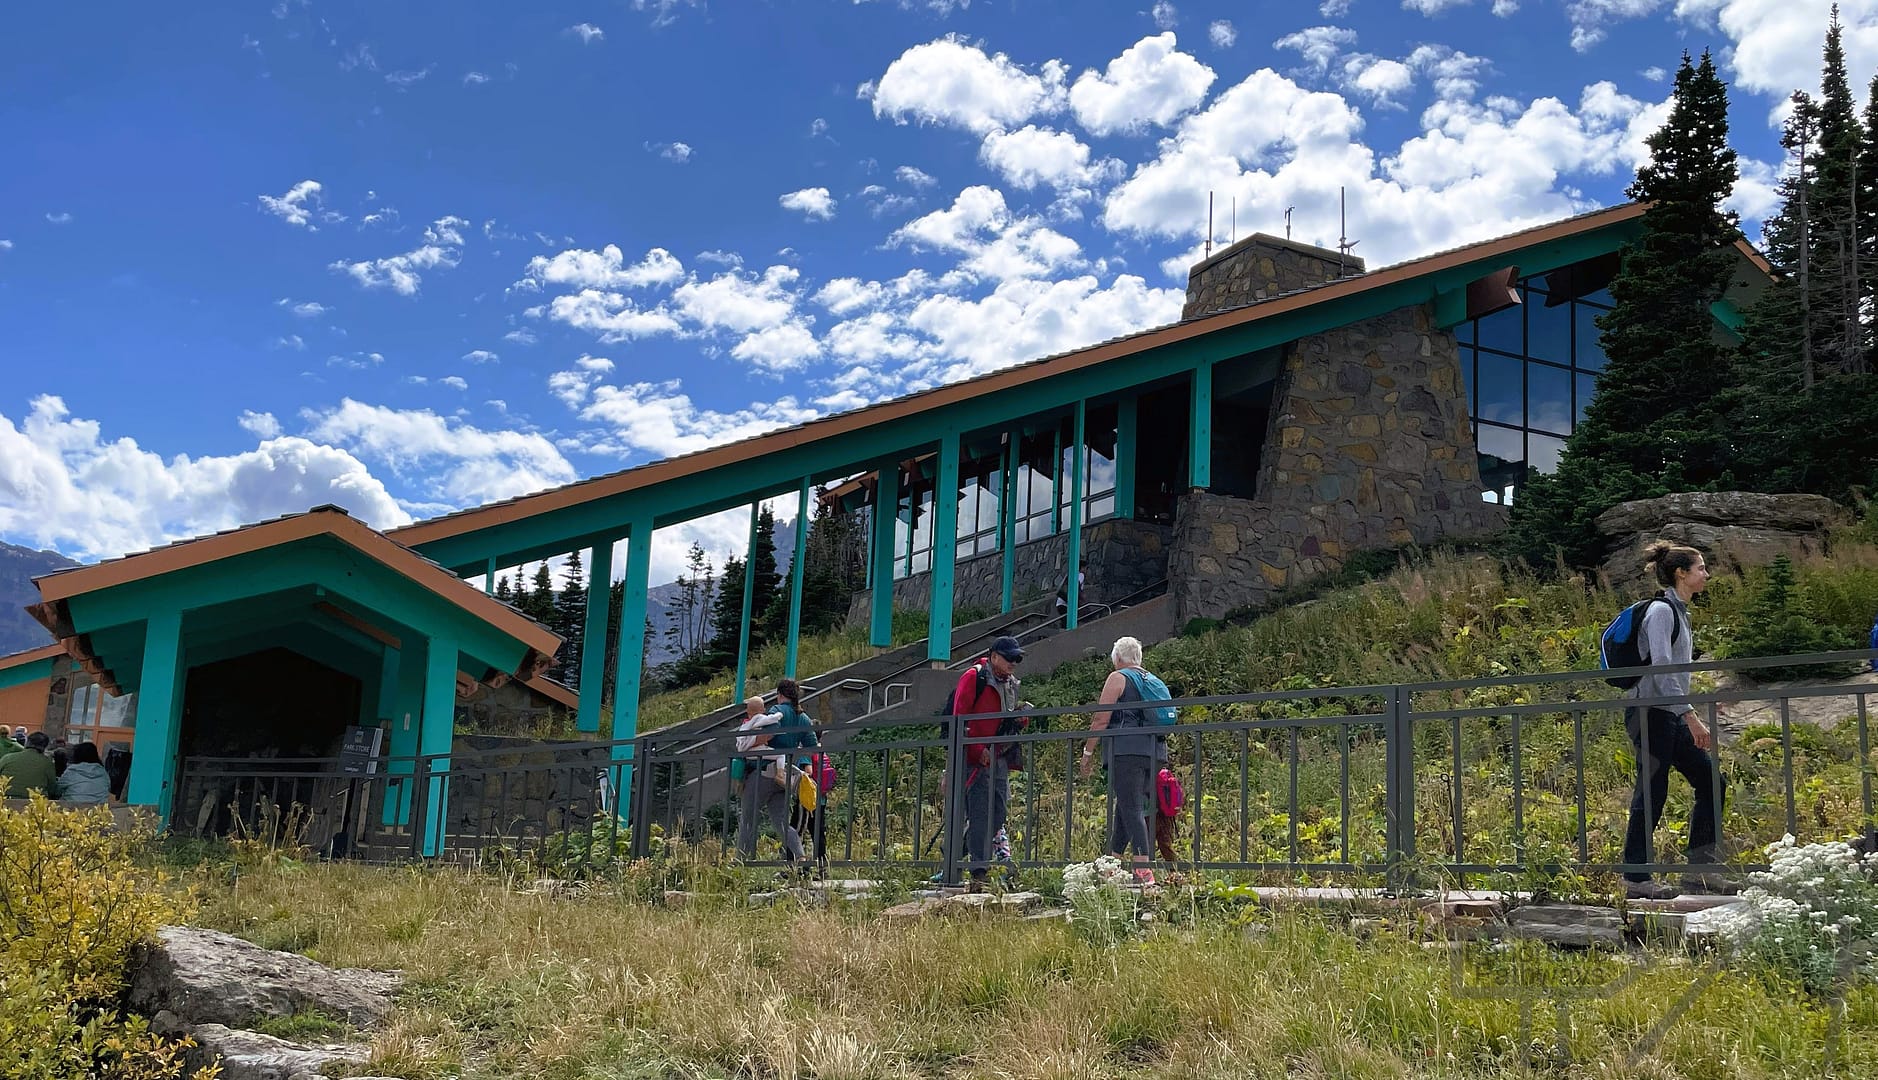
(953, 821)
(639, 797)
(420, 807)
(1399, 788)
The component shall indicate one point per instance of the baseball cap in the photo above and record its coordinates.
(1008, 648)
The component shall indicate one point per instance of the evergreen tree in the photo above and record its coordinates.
(570, 612)
(835, 567)
(504, 592)
(541, 596)
(727, 620)
(1651, 426)
(769, 610)
(689, 624)
(1867, 188)
(1833, 280)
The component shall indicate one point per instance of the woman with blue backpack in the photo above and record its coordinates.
(1131, 758)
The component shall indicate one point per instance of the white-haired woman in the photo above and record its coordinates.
(1130, 758)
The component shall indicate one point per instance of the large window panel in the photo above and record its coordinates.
(1542, 451)
(1549, 398)
(1504, 330)
(1500, 392)
(1502, 460)
(1548, 331)
(1590, 355)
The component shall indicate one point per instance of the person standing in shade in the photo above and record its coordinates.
(30, 769)
(1131, 758)
(1671, 735)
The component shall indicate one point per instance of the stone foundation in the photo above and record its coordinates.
(1119, 557)
(1370, 447)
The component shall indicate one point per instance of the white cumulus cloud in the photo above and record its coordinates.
(814, 203)
(301, 206)
(1151, 82)
(1222, 34)
(588, 33)
(447, 460)
(603, 269)
(442, 249)
(950, 81)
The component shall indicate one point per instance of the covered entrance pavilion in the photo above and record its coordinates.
(275, 638)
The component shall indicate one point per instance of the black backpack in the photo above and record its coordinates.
(952, 695)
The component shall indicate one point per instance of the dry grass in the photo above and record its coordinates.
(505, 983)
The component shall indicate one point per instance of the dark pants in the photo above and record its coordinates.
(1671, 746)
(762, 790)
(987, 801)
(1129, 776)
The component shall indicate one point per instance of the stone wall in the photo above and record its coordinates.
(1258, 267)
(1733, 530)
(1119, 557)
(1370, 447)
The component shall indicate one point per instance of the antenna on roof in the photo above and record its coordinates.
(1209, 226)
(1344, 243)
(1288, 210)
(1235, 219)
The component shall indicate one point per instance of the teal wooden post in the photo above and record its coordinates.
(886, 522)
(1200, 425)
(1078, 458)
(489, 581)
(407, 711)
(737, 691)
(387, 703)
(1056, 483)
(1007, 520)
(593, 637)
(159, 715)
(795, 579)
(434, 732)
(1126, 435)
(912, 517)
(945, 549)
(632, 648)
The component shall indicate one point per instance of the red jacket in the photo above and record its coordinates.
(975, 696)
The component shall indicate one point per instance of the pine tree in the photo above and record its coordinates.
(570, 611)
(769, 610)
(727, 619)
(1650, 427)
(541, 596)
(1834, 286)
(504, 591)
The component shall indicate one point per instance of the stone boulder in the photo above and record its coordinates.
(1571, 926)
(202, 977)
(1734, 529)
(249, 1055)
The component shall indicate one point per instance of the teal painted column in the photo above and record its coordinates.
(1056, 483)
(737, 692)
(1007, 520)
(945, 549)
(632, 648)
(1200, 426)
(886, 518)
(1078, 458)
(407, 713)
(435, 730)
(387, 703)
(489, 582)
(1127, 416)
(593, 637)
(795, 578)
(159, 716)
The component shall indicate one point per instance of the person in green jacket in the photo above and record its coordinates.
(30, 769)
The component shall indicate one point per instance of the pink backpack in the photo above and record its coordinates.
(1169, 794)
(823, 769)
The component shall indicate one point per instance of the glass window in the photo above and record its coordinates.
(1548, 331)
(1542, 451)
(1548, 398)
(1586, 384)
(118, 712)
(1500, 389)
(1590, 354)
(1504, 330)
(1502, 461)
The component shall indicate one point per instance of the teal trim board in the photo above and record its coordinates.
(1200, 428)
(945, 523)
(159, 716)
(880, 553)
(1079, 458)
(1127, 417)
(21, 674)
(632, 631)
(434, 735)
(795, 578)
(1007, 521)
(593, 637)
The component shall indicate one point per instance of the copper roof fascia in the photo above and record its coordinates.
(539, 642)
(647, 475)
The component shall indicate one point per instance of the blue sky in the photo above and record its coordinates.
(411, 257)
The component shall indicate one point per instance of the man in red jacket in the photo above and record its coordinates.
(988, 686)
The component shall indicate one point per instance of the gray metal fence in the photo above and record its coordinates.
(1524, 774)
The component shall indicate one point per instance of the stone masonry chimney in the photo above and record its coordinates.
(1258, 267)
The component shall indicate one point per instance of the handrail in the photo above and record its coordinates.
(1106, 609)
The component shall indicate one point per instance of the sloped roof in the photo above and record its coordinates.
(665, 469)
(31, 656)
(332, 521)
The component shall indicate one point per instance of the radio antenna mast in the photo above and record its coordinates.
(1235, 219)
(1209, 225)
(1344, 243)
(1288, 210)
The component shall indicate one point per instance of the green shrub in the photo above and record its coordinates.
(1779, 621)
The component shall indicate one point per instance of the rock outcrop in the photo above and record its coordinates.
(250, 1055)
(1733, 529)
(207, 977)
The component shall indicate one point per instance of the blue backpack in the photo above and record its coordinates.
(1149, 687)
(1874, 644)
(1621, 644)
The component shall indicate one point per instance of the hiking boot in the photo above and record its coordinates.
(1650, 890)
(1710, 882)
(977, 885)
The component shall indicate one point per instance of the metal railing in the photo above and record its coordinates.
(1499, 776)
